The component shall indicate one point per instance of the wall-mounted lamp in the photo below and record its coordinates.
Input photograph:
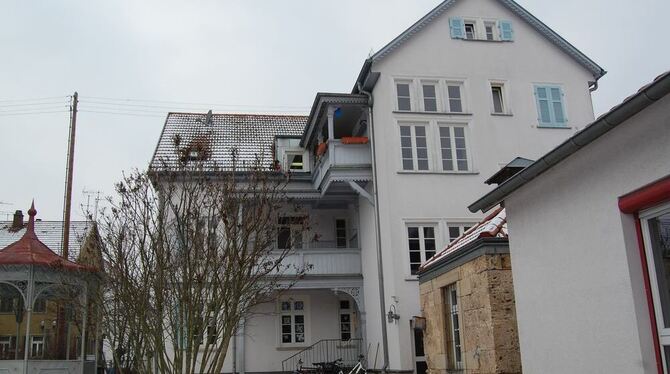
(392, 316)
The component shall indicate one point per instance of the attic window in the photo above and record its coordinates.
(295, 161)
(470, 32)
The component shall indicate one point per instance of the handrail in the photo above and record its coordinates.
(325, 350)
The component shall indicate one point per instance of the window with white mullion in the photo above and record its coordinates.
(453, 147)
(456, 230)
(414, 147)
(403, 92)
(421, 245)
(656, 233)
(429, 91)
(292, 319)
(454, 97)
(551, 111)
(455, 358)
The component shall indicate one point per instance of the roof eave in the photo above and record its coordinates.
(646, 96)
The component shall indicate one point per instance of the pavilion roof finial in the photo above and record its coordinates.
(32, 212)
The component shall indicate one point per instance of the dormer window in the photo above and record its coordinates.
(290, 156)
(295, 161)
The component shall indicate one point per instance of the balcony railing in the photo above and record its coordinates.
(325, 258)
(341, 155)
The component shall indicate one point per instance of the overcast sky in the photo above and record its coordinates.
(253, 55)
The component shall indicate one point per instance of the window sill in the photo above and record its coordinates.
(432, 113)
(292, 347)
(437, 172)
(502, 114)
(412, 278)
(555, 127)
(484, 40)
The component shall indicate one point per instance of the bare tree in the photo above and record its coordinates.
(188, 253)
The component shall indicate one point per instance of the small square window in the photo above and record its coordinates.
(344, 304)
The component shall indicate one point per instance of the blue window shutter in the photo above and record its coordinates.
(543, 106)
(506, 32)
(557, 106)
(457, 27)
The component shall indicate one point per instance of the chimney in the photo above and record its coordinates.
(17, 223)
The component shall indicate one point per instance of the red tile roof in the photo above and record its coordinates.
(493, 226)
(29, 250)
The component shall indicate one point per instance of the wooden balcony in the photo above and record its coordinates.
(342, 162)
(325, 258)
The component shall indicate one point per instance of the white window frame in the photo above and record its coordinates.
(552, 115)
(292, 226)
(305, 312)
(5, 343)
(422, 241)
(494, 30)
(662, 332)
(434, 145)
(462, 228)
(447, 98)
(346, 232)
(296, 152)
(438, 95)
(415, 159)
(350, 313)
(454, 310)
(39, 344)
(410, 83)
(473, 22)
(504, 88)
(452, 138)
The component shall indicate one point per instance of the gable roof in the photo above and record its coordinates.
(517, 9)
(632, 105)
(214, 136)
(493, 226)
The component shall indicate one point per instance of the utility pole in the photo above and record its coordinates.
(67, 204)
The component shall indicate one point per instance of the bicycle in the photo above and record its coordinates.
(358, 368)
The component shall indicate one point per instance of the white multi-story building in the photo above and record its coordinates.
(387, 171)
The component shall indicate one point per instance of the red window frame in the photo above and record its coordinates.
(653, 194)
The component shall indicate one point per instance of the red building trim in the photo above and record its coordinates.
(647, 291)
(646, 197)
(632, 203)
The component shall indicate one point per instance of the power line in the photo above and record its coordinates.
(30, 113)
(32, 104)
(20, 110)
(121, 113)
(34, 99)
(186, 103)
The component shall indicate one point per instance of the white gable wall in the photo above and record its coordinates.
(580, 299)
(493, 140)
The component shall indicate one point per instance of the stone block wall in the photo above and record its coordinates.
(489, 338)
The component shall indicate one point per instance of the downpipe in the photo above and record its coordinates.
(380, 269)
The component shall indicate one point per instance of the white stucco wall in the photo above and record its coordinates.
(492, 140)
(578, 284)
(263, 352)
